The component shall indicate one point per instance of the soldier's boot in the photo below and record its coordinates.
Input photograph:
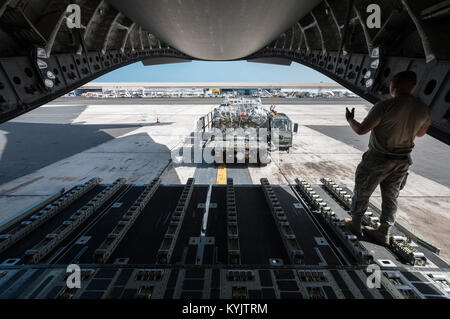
(381, 235)
(354, 225)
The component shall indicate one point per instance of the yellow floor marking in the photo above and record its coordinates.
(222, 174)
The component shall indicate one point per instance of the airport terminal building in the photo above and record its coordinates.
(241, 88)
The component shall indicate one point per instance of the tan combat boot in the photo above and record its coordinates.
(381, 235)
(353, 225)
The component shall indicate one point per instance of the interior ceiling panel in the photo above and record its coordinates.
(216, 29)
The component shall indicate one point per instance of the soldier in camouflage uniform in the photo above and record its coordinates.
(394, 124)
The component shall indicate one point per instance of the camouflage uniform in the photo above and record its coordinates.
(379, 169)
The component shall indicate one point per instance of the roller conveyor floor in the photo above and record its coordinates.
(286, 248)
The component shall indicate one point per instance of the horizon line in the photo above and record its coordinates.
(214, 84)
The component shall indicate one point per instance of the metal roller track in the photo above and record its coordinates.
(400, 245)
(286, 232)
(234, 252)
(312, 216)
(170, 239)
(106, 249)
(126, 275)
(27, 226)
(31, 210)
(349, 240)
(345, 199)
(52, 240)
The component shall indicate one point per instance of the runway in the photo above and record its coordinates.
(71, 140)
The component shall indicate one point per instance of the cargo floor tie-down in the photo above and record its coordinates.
(258, 241)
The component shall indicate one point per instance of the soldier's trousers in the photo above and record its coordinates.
(378, 169)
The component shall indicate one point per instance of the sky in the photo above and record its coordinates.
(206, 71)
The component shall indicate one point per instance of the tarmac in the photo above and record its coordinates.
(71, 140)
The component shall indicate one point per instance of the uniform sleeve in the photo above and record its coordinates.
(375, 114)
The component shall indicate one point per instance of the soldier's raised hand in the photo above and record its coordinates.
(350, 115)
